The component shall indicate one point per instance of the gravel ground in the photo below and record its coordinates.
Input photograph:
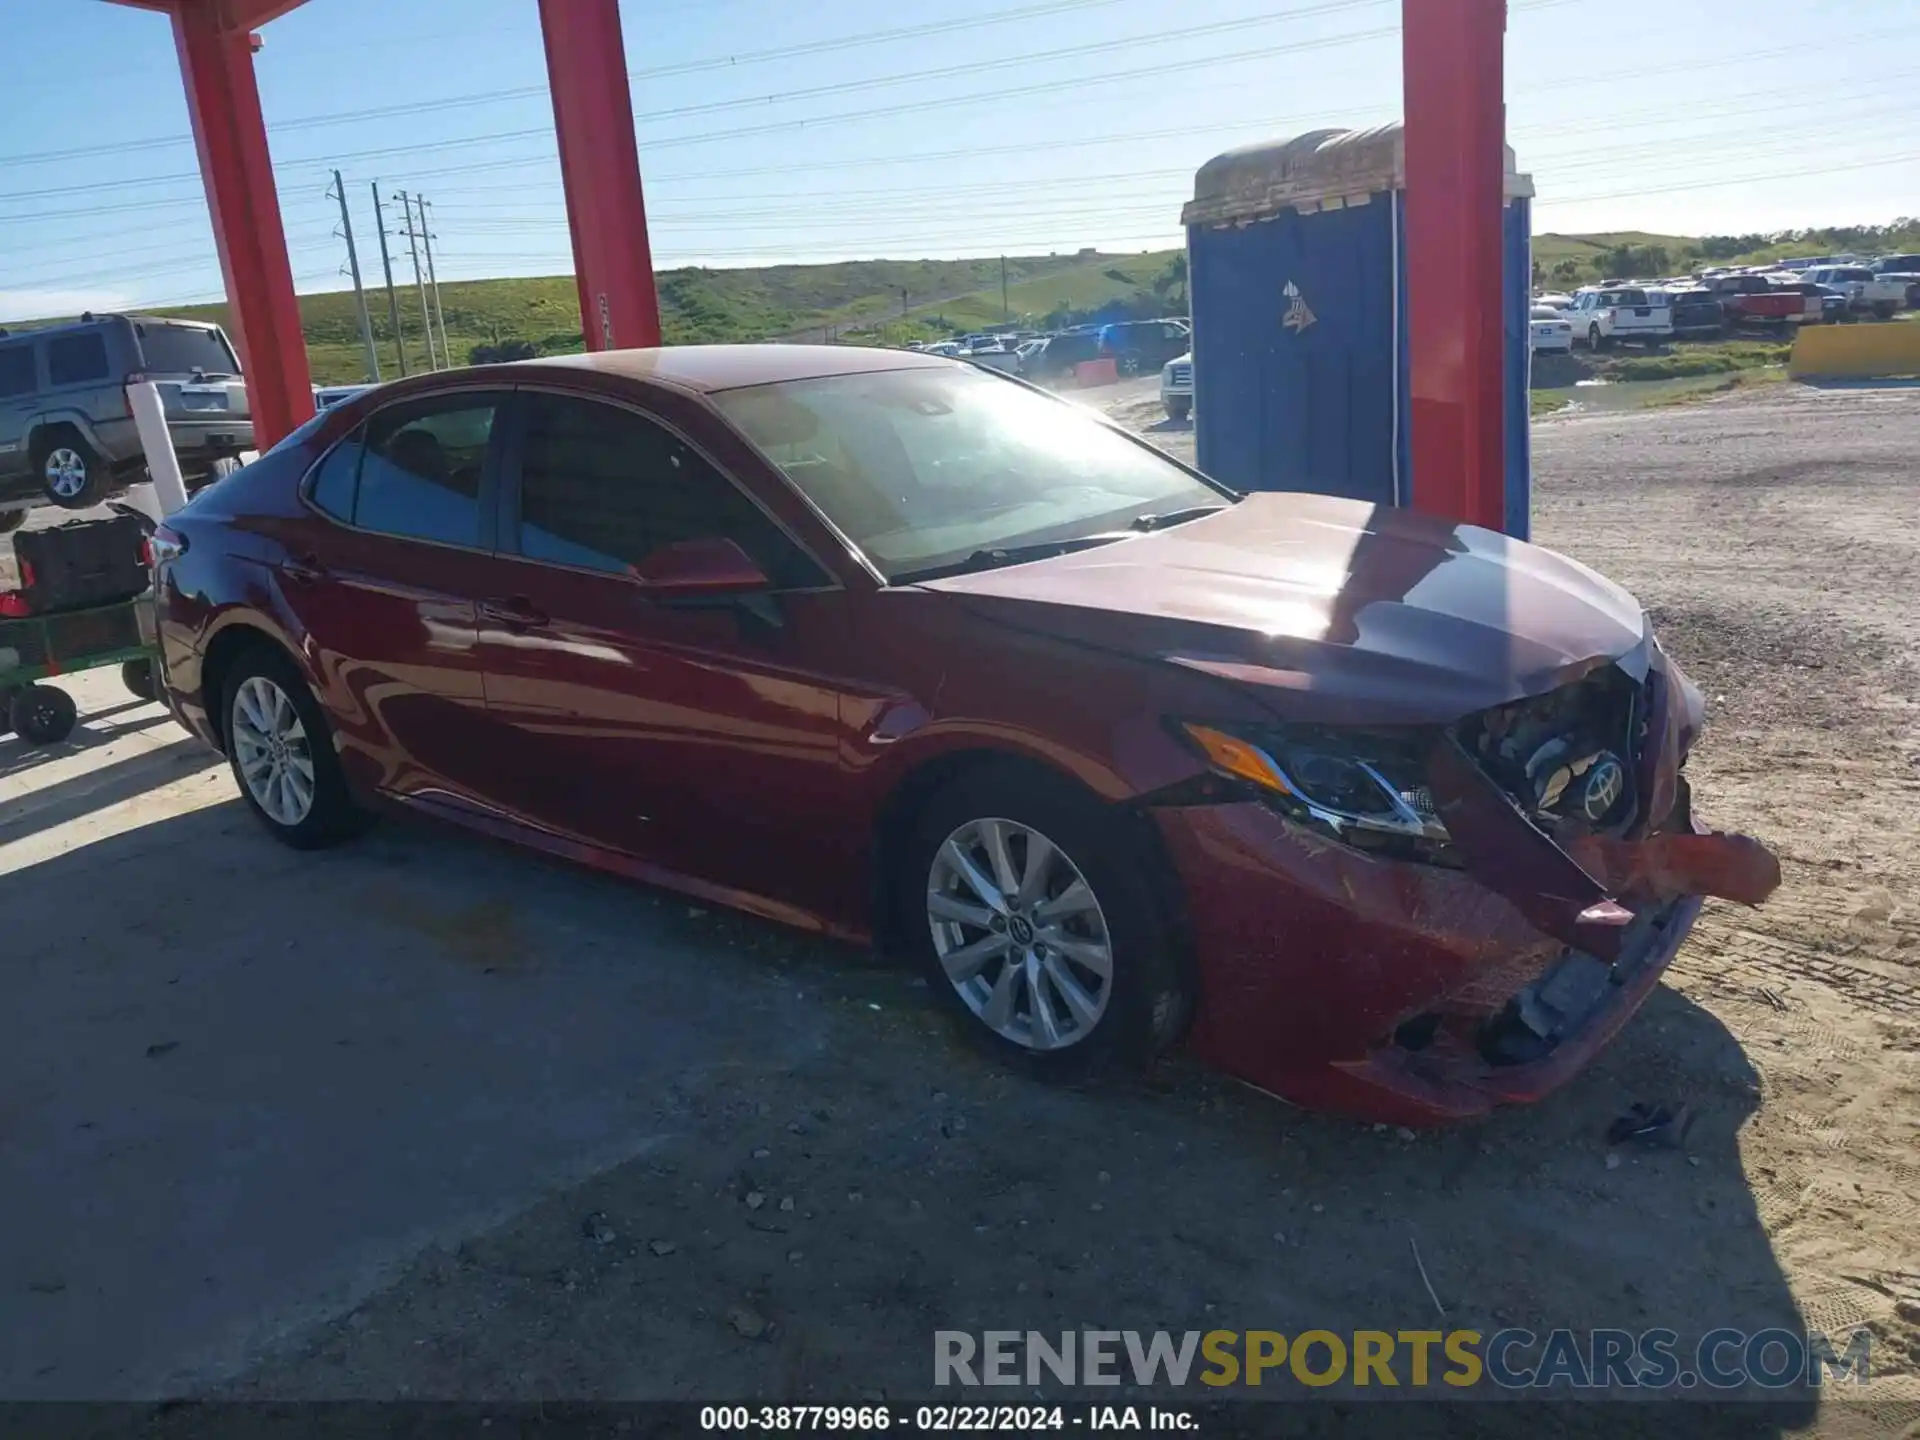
(806, 1224)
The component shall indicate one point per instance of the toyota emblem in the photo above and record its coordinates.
(1606, 781)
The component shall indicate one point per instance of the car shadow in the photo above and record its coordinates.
(415, 1062)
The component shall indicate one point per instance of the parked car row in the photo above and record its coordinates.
(1136, 347)
(1718, 302)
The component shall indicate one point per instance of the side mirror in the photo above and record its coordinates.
(700, 567)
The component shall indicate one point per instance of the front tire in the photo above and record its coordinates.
(42, 715)
(1037, 927)
(71, 471)
(280, 748)
(11, 520)
(1179, 407)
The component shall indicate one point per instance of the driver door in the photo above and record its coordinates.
(702, 734)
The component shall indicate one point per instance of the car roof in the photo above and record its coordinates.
(710, 368)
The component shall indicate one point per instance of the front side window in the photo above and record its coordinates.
(16, 369)
(924, 468)
(420, 474)
(76, 359)
(604, 488)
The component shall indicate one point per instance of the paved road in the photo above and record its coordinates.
(423, 1116)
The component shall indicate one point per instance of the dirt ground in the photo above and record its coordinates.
(807, 1214)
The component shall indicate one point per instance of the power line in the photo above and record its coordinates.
(725, 62)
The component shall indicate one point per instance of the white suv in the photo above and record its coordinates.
(1176, 386)
(1618, 312)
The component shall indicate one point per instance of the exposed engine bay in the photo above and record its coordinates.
(1567, 757)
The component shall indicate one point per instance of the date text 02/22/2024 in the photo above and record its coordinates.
(942, 1419)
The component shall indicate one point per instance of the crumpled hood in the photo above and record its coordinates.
(1332, 610)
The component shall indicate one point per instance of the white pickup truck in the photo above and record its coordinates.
(1866, 292)
(1606, 313)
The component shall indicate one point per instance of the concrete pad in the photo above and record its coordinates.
(240, 1086)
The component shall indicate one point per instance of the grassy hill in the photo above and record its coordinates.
(854, 300)
(891, 301)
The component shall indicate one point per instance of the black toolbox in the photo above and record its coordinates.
(82, 563)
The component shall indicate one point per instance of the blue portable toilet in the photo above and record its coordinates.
(1296, 273)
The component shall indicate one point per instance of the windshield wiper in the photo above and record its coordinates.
(993, 557)
(1172, 517)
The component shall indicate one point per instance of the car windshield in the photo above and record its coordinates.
(925, 468)
(183, 349)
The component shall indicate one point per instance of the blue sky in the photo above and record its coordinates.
(771, 131)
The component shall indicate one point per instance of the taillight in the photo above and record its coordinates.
(164, 544)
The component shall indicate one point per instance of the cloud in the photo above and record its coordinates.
(52, 304)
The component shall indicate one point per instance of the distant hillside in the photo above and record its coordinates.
(891, 301)
(854, 300)
(1582, 259)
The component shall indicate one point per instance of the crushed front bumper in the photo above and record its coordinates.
(1420, 993)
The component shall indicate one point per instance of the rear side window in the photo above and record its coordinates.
(422, 466)
(16, 369)
(75, 359)
(183, 349)
(338, 477)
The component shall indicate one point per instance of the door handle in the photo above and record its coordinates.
(303, 569)
(515, 612)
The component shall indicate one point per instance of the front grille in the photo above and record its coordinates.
(1180, 375)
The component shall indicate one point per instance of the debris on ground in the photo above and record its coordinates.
(1662, 1127)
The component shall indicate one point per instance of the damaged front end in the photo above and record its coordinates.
(1557, 868)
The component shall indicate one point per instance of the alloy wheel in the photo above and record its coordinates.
(1020, 934)
(271, 750)
(66, 472)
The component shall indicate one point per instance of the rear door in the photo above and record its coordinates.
(386, 591)
(703, 736)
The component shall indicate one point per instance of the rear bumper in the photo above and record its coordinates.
(210, 439)
(1367, 987)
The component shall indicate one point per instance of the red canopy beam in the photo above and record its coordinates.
(223, 101)
(1455, 144)
(600, 167)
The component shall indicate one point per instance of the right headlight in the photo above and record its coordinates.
(1365, 790)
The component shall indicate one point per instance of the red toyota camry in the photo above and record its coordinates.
(1385, 814)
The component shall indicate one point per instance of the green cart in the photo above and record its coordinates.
(37, 648)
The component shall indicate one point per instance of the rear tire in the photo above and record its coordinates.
(43, 715)
(72, 472)
(139, 677)
(280, 749)
(1091, 905)
(11, 520)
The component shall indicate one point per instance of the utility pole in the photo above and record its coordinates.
(339, 192)
(386, 264)
(439, 312)
(1006, 314)
(419, 279)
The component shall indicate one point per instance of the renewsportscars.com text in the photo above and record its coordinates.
(1446, 1360)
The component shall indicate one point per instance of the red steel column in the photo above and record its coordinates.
(216, 61)
(1455, 134)
(600, 166)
